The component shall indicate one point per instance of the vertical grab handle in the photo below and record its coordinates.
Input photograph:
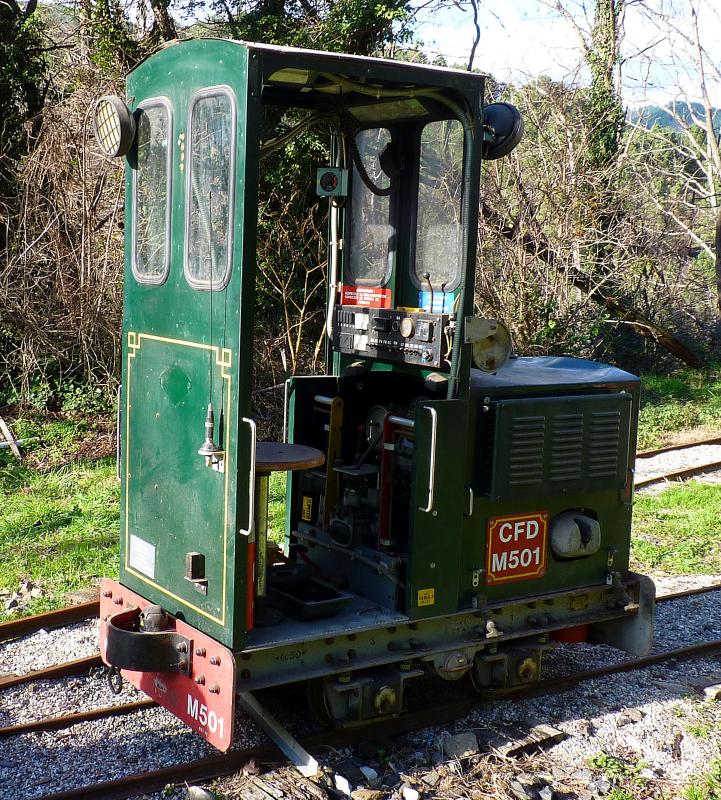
(118, 398)
(432, 466)
(286, 392)
(251, 483)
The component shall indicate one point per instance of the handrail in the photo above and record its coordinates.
(251, 482)
(432, 467)
(286, 392)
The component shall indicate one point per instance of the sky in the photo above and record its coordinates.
(526, 38)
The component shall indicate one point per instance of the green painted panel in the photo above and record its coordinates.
(181, 349)
(603, 498)
(435, 537)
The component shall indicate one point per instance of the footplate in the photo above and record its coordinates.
(182, 669)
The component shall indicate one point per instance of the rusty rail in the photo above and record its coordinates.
(63, 670)
(49, 619)
(673, 447)
(218, 766)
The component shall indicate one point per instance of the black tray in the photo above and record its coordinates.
(311, 599)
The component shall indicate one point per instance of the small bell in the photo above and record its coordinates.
(209, 450)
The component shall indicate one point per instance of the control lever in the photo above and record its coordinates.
(427, 277)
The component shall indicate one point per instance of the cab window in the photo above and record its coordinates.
(372, 232)
(438, 233)
(209, 188)
(151, 192)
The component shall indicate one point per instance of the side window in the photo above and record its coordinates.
(438, 233)
(209, 189)
(151, 192)
(371, 233)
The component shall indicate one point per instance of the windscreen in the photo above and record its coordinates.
(372, 233)
(438, 233)
(152, 183)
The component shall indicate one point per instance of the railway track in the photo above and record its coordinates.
(675, 447)
(681, 470)
(49, 620)
(220, 765)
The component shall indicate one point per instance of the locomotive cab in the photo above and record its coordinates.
(448, 508)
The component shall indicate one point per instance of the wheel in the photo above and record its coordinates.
(317, 700)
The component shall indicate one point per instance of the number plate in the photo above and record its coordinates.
(204, 700)
(516, 547)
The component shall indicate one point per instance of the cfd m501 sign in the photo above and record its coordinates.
(516, 548)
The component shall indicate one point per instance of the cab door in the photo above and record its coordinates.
(181, 340)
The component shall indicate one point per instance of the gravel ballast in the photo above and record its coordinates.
(655, 716)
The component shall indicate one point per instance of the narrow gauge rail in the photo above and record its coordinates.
(58, 618)
(218, 766)
(681, 472)
(674, 447)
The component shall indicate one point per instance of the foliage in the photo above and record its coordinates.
(683, 400)
(350, 26)
(107, 30)
(23, 72)
(613, 766)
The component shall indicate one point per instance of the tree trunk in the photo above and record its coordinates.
(163, 20)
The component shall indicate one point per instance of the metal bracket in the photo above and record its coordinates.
(303, 761)
(145, 651)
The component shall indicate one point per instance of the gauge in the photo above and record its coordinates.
(408, 327)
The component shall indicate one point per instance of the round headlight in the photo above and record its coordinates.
(114, 126)
(491, 342)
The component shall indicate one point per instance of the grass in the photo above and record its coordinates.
(59, 524)
(673, 404)
(678, 531)
(708, 786)
(276, 507)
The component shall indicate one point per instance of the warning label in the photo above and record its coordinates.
(366, 296)
(426, 597)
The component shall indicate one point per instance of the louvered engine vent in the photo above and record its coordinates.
(565, 444)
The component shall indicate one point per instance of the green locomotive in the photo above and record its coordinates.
(451, 508)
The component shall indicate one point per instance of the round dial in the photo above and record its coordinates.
(408, 327)
(328, 181)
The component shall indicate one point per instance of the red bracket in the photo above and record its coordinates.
(204, 699)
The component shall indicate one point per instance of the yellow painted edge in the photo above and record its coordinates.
(223, 358)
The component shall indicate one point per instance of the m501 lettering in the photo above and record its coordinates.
(205, 716)
(516, 547)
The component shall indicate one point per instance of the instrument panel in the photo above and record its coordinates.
(411, 337)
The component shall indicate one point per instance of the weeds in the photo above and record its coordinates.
(671, 404)
(708, 786)
(613, 766)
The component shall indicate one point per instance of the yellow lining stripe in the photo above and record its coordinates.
(223, 359)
